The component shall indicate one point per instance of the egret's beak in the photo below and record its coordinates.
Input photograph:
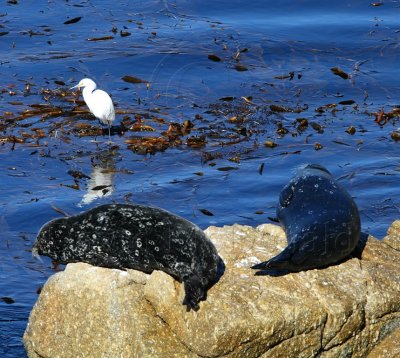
(77, 86)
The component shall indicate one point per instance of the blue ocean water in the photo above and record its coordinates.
(168, 46)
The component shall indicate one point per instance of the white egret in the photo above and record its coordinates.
(98, 101)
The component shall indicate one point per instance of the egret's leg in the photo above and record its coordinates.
(109, 131)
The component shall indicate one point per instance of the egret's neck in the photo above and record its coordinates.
(87, 93)
(88, 90)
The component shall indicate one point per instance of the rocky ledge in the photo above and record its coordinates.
(352, 309)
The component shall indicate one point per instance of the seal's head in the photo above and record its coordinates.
(197, 285)
(51, 240)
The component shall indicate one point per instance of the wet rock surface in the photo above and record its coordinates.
(351, 309)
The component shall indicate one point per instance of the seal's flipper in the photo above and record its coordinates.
(260, 266)
(194, 293)
(282, 261)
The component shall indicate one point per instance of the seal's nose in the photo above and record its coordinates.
(35, 253)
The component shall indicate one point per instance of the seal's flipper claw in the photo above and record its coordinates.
(261, 273)
(274, 263)
(260, 266)
(280, 261)
(190, 304)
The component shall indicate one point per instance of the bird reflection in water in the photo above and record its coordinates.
(100, 184)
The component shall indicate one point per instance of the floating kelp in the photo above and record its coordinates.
(131, 79)
(7, 300)
(240, 67)
(281, 109)
(214, 58)
(351, 130)
(78, 175)
(103, 38)
(226, 169)
(231, 122)
(73, 20)
(196, 142)
(270, 144)
(317, 127)
(206, 212)
(326, 107)
(338, 72)
(147, 145)
(395, 135)
(289, 76)
(302, 124)
(347, 102)
(382, 117)
(318, 146)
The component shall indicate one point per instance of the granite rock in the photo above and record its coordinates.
(350, 309)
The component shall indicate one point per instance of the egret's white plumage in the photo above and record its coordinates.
(98, 101)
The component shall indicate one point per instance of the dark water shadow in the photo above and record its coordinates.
(361, 246)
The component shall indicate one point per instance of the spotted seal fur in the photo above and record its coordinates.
(135, 237)
(321, 222)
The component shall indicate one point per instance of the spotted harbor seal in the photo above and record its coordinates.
(321, 222)
(135, 237)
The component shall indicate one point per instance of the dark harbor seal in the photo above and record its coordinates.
(321, 222)
(135, 237)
